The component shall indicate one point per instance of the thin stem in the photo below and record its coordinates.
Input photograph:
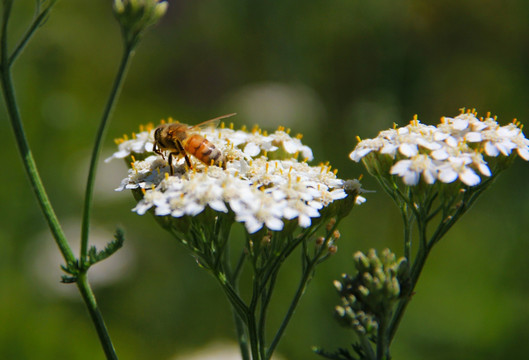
(97, 318)
(241, 335)
(418, 265)
(307, 273)
(407, 233)
(235, 299)
(366, 346)
(382, 341)
(265, 301)
(37, 21)
(254, 339)
(239, 265)
(114, 93)
(30, 166)
(299, 292)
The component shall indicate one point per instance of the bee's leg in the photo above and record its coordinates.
(171, 169)
(156, 150)
(183, 151)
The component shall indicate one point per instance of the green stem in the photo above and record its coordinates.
(418, 264)
(366, 346)
(265, 301)
(30, 166)
(241, 335)
(299, 292)
(414, 277)
(114, 93)
(307, 273)
(407, 233)
(382, 341)
(252, 332)
(31, 169)
(37, 21)
(97, 318)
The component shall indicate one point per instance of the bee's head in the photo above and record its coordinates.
(158, 134)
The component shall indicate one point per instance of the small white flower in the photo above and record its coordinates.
(364, 147)
(302, 211)
(263, 210)
(522, 145)
(140, 143)
(411, 170)
(457, 168)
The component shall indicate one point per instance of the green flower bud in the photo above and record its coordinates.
(135, 16)
(373, 292)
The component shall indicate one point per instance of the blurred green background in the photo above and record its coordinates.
(330, 69)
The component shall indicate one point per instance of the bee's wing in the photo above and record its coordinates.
(209, 124)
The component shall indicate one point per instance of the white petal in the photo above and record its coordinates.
(524, 153)
(274, 224)
(408, 150)
(469, 177)
(290, 146)
(389, 149)
(411, 178)
(429, 176)
(252, 149)
(290, 213)
(460, 124)
(440, 154)
(304, 221)
(451, 141)
(252, 225)
(218, 205)
(360, 200)
(318, 205)
(306, 152)
(473, 137)
(356, 155)
(440, 136)
(505, 147)
(447, 175)
(484, 169)
(400, 167)
(194, 209)
(491, 149)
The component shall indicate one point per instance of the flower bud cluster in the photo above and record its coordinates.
(368, 297)
(135, 16)
(461, 148)
(263, 182)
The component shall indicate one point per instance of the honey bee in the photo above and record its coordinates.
(181, 139)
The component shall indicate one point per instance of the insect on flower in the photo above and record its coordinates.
(181, 139)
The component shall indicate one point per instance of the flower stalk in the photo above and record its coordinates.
(76, 268)
(283, 203)
(96, 150)
(434, 174)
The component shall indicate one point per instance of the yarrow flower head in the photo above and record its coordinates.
(264, 180)
(464, 148)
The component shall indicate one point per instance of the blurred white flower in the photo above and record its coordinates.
(43, 260)
(217, 351)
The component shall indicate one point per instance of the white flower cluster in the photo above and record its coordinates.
(259, 191)
(451, 150)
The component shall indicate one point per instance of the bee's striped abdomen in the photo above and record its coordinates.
(204, 150)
